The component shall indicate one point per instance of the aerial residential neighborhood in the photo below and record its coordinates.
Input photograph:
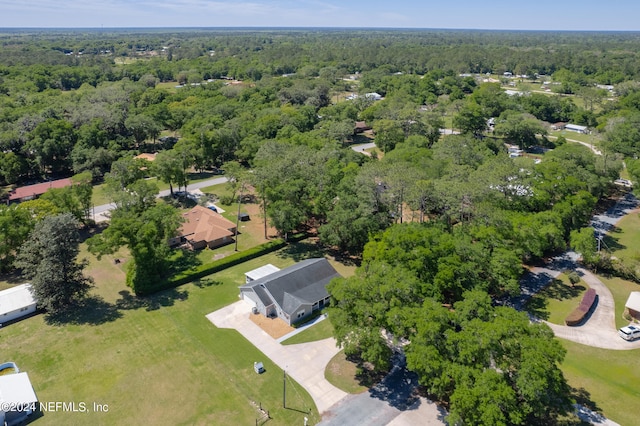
(317, 226)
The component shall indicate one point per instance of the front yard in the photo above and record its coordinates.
(154, 360)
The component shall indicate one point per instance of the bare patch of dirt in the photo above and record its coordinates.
(274, 327)
(255, 225)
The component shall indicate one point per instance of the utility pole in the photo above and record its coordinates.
(238, 218)
(284, 389)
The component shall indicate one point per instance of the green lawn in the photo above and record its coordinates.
(610, 378)
(590, 139)
(624, 240)
(605, 378)
(620, 289)
(100, 196)
(319, 331)
(156, 360)
(557, 300)
(341, 373)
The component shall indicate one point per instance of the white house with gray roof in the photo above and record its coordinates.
(16, 302)
(293, 293)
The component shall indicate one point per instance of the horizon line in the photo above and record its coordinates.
(315, 28)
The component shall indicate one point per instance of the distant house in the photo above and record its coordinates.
(16, 303)
(633, 304)
(293, 293)
(146, 156)
(558, 126)
(373, 96)
(360, 127)
(29, 192)
(16, 391)
(576, 128)
(204, 228)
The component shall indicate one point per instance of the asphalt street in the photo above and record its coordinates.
(101, 213)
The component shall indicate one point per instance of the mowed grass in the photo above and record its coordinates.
(101, 197)
(557, 300)
(154, 360)
(318, 331)
(610, 378)
(624, 240)
(620, 289)
(341, 373)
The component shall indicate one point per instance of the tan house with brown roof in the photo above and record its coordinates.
(146, 156)
(204, 228)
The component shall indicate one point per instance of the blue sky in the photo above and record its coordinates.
(490, 14)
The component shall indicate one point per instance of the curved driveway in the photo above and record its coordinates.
(600, 329)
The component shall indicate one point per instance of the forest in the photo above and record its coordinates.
(441, 216)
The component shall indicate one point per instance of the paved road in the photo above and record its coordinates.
(304, 362)
(361, 148)
(101, 213)
(391, 402)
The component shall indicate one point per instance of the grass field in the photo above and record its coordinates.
(608, 377)
(556, 301)
(341, 373)
(590, 139)
(620, 289)
(624, 240)
(154, 360)
(319, 331)
(100, 196)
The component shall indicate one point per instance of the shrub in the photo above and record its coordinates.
(579, 313)
(226, 262)
(574, 278)
(216, 266)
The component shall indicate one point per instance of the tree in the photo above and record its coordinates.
(83, 191)
(388, 133)
(584, 242)
(145, 232)
(49, 260)
(169, 168)
(15, 226)
(520, 129)
(471, 119)
(490, 363)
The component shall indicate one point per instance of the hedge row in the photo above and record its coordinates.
(224, 263)
(579, 313)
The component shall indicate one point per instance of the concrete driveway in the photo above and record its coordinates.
(600, 329)
(304, 362)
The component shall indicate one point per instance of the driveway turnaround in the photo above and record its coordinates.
(304, 362)
(599, 330)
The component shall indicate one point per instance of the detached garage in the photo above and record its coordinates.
(16, 303)
(633, 304)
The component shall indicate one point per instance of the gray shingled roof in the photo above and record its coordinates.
(304, 282)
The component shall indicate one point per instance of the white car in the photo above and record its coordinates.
(630, 332)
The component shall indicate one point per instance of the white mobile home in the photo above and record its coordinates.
(16, 302)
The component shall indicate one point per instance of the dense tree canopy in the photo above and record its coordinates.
(443, 220)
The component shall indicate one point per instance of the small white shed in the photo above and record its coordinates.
(16, 302)
(260, 272)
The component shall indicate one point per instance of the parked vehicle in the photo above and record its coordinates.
(630, 332)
